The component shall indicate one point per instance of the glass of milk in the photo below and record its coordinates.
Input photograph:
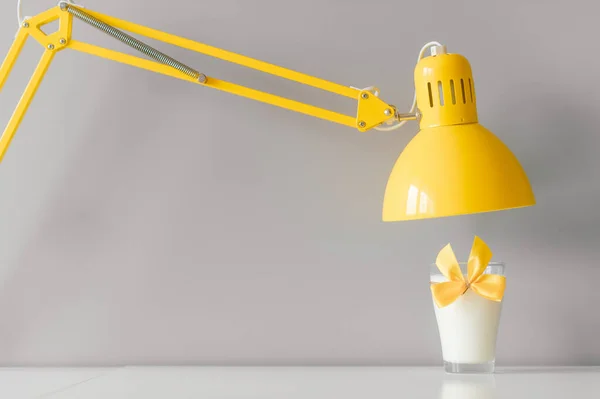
(468, 327)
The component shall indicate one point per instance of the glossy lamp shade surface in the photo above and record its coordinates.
(454, 165)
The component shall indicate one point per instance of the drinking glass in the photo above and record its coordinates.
(468, 327)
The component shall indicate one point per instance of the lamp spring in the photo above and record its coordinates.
(133, 42)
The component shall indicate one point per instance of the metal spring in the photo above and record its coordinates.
(133, 42)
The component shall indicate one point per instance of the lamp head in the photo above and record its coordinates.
(453, 166)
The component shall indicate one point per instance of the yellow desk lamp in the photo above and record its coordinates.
(453, 166)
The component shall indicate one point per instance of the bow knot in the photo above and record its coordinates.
(489, 286)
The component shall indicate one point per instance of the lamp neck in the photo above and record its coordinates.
(445, 90)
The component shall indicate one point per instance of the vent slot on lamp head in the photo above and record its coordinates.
(445, 90)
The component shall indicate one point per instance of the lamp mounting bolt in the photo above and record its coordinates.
(362, 124)
(51, 46)
(63, 40)
(365, 96)
(26, 24)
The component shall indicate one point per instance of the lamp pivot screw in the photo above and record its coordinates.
(362, 124)
(51, 47)
(63, 5)
(387, 112)
(364, 96)
(202, 78)
(25, 24)
(63, 41)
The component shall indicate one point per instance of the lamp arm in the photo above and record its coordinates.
(371, 110)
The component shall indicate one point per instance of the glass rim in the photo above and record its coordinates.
(499, 263)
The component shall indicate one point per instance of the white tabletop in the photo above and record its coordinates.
(296, 382)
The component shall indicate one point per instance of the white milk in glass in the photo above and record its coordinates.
(468, 327)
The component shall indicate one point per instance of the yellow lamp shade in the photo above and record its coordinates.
(453, 166)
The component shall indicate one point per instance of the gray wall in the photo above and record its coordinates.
(146, 220)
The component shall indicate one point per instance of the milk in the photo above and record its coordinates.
(468, 327)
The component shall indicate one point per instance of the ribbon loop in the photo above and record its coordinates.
(448, 265)
(478, 259)
(489, 286)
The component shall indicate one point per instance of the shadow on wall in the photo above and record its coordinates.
(74, 259)
(564, 153)
(560, 234)
(72, 256)
(560, 157)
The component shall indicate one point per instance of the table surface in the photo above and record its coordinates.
(296, 382)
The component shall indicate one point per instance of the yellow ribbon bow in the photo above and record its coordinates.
(489, 286)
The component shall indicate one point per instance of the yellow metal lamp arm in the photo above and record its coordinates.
(371, 110)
